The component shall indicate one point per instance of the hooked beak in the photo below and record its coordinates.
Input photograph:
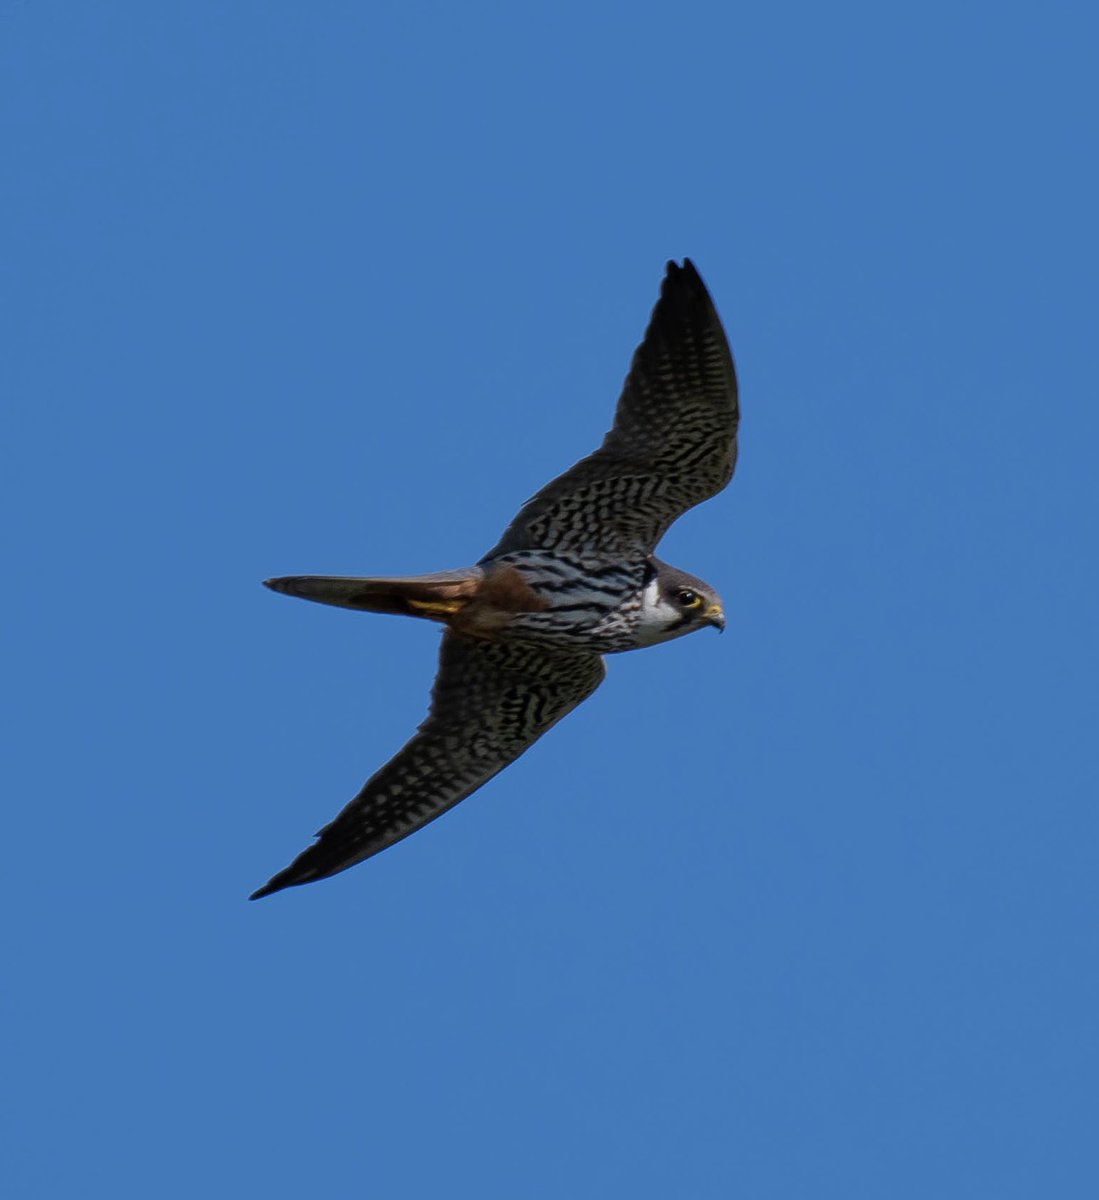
(716, 617)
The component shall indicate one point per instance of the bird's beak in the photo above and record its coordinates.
(716, 616)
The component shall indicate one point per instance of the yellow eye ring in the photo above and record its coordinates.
(686, 598)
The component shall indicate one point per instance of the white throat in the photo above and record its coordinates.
(660, 620)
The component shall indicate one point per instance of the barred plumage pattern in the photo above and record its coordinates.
(491, 701)
(594, 607)
(588, 585)
(673, 443)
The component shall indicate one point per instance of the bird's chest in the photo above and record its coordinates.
(595, 605)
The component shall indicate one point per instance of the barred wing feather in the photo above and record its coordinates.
(672, 446)
(491, 701)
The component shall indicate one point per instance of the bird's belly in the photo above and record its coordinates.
(602, 636)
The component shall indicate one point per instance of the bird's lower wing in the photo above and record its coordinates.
(491, 700)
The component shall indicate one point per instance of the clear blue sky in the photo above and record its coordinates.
(805, 911)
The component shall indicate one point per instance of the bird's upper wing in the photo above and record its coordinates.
(491, 701)
(673, 443)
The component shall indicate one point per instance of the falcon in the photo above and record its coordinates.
(573, 578)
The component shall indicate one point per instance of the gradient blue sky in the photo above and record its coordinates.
(808, 910)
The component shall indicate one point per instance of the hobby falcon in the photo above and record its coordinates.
(573, 578)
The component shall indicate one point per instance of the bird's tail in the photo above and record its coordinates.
(437, 597)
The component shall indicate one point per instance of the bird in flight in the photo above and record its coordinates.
(573, 578)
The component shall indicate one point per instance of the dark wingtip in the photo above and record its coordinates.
(683, 280)
(308, 867)
(686, 274)
(275, 884)
(683, 287)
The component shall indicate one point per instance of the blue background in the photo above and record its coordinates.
(805, 911)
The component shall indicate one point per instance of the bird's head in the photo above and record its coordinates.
(674, 603)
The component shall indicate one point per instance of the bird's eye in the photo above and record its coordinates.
(688, 599)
